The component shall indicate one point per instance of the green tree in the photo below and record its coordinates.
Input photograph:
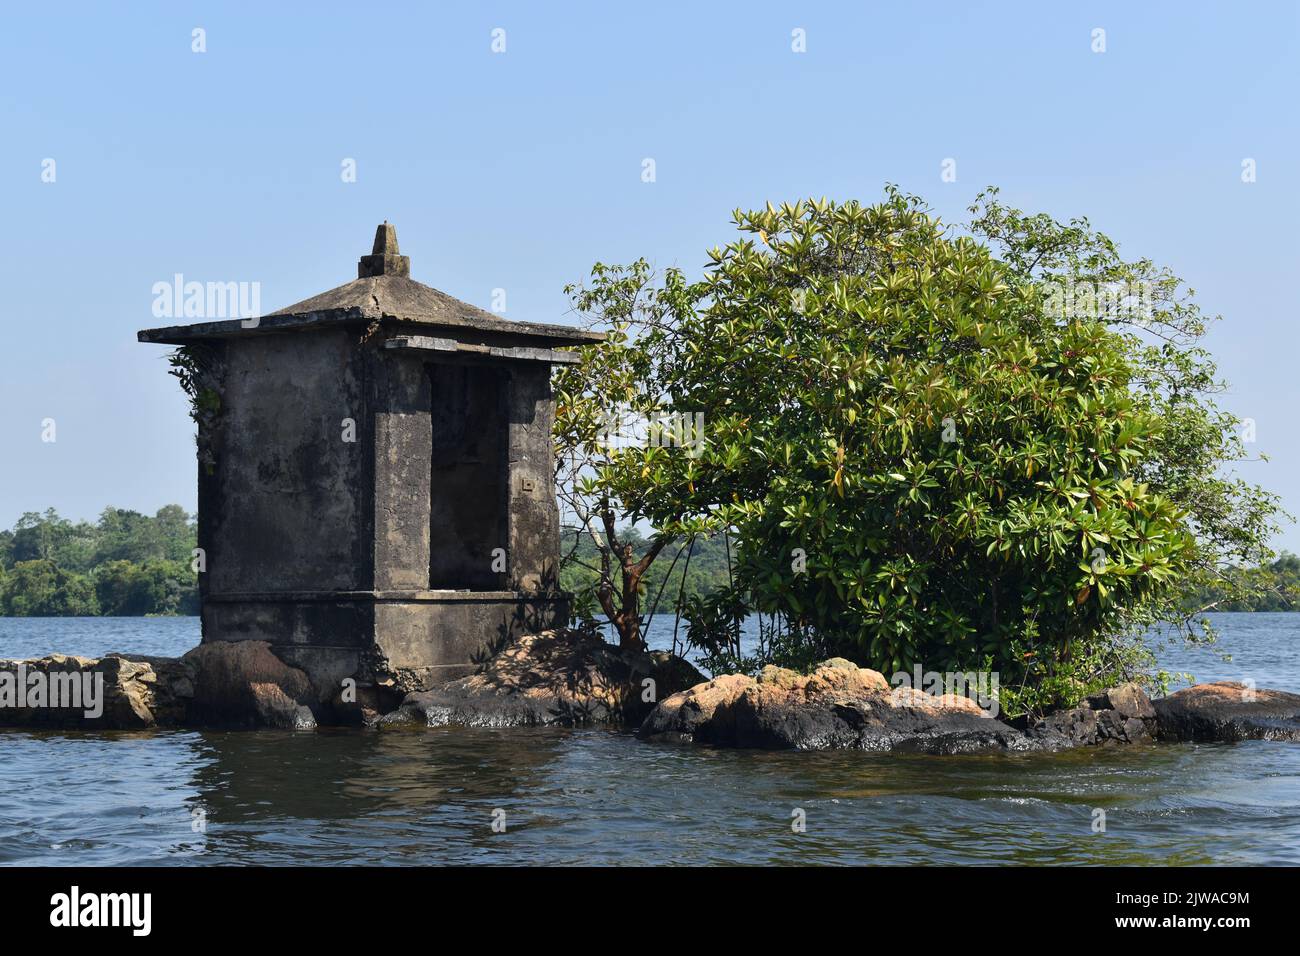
(128, 562)
(155, 587)
(127, 536)
(1161, 328)
(37, 536)
(605, 407)
(176, 533)
(115, 584)
(927, 459)
(1268, 587)
(40, 588)
(681, 575)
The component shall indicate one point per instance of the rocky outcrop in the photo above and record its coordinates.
(1121, 715)
(1228, 711)
(841, 706)
(837, 706)
(570, 678)
(243, 684)
(223, 684)
(115, 692)
(561, 677)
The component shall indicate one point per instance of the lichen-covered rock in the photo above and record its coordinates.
(172, 686)
(688, 714)
(1127, 700)
(561, 677)
(837, 706)
(115, 692)
(1228, 711)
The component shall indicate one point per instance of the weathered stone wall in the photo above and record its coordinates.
(400, 396)
(424, 503)
(285, 507)
(534, 515)
(425, 642)
(328, 549)
(327, 637)
(223, 684)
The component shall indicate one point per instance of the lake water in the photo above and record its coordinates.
(429, 796)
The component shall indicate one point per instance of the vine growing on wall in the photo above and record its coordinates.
(195, 367)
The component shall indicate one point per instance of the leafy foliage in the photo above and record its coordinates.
(1274, 586)
(125, 564)
(613, 385)
(682, 574)
(198, 370)
(40, 588)
(923, 457)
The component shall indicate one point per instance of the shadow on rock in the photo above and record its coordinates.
(561, 677)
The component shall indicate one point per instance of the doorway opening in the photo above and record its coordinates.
(468, 514)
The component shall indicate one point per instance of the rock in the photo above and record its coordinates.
(363, 705)
(224, 684)
(562, 677)
(850, 681)
(911, 697)
(1121, 715)
(837, 706)
(172, 686)
(274, 708)
(1228, 711)
(1127, 700)
(243, 684)
(781, 676)
(114, 692)
(689, 713)
(1075, 727)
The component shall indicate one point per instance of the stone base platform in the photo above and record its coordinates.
(404, 640)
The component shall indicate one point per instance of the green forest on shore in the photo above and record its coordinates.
(131, 564)
(123, 564)
(1271, 587)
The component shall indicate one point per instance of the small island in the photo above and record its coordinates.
(952, 458)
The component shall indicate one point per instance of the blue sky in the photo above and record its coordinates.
(519, 170)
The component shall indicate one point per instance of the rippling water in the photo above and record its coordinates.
(428, 796)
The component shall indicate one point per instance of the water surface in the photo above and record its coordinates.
(587, 796)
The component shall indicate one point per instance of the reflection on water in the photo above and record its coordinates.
(428, 796)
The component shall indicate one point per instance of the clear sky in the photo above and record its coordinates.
(518, 170)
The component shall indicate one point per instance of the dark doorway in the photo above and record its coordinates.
(469, 500)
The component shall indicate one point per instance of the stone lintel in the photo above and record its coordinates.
(425, 343)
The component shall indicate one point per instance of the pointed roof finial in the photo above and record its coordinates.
(384, 259)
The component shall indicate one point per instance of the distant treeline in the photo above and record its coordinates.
(705, 571)
(1271, 587)
(126, 563)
